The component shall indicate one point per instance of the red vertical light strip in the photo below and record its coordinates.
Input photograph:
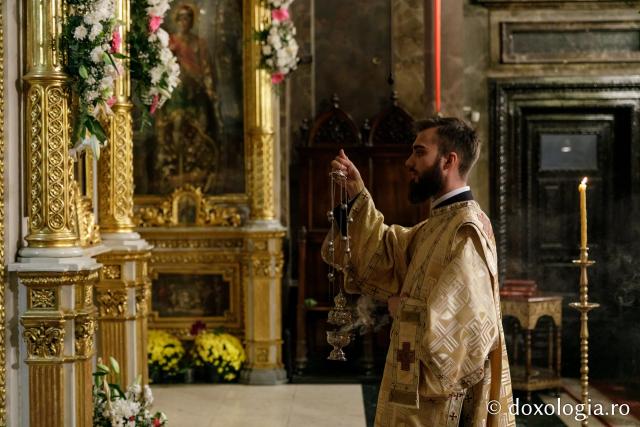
(437, 48)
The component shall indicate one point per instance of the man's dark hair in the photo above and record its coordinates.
(454, 135)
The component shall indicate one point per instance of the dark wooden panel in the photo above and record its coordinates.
(380, 160)
(390, 190)
(536, 208)
(570, 42)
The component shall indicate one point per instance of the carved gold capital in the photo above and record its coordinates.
(143, 297)
(44, 340)
(267, 266)
(111, 303)
(85, 331)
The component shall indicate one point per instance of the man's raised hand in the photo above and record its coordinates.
(354, 183)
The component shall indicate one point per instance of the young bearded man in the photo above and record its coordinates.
(447, 363)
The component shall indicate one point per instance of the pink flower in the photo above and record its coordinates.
(155, 22)
(116, 41)
(277, 78)
(154, 104)
(111, 101)
(281, 14)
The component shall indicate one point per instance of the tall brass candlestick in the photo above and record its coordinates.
(584, 306)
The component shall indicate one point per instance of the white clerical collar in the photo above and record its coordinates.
(449, 195)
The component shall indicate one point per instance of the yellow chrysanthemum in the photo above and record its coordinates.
(165, 350)
(221, 350)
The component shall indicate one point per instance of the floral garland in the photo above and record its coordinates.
(279, 49)
(114, 407)
(153, 66)
(91, 44)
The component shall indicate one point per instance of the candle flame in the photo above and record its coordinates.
(584, 181)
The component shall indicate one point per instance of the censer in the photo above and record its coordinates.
(340, 314)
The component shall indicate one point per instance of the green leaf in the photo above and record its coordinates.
(119, 56)
(102, 368)
(118, 390)
(83, 72)
(114, 365)
(108, 58)
(96, 129)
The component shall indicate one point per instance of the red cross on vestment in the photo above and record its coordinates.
(406, 356)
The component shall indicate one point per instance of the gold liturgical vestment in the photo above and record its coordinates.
(447, 360)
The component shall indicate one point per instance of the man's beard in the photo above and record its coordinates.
(428, 185)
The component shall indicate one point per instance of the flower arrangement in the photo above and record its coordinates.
(279, 49)
(114, 407)
(221, 351)
(91, 44)
(153, 65)
(164, 354)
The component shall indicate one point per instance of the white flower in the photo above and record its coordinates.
(90, 19)
(122, 409)
(106, 82)
(274, 41)
(96, 29)
(97, 54)
(156, 74)
(80, 32)
(91, 95)
(163, 36)
(266, 49)
(165, 55)
(148, 395)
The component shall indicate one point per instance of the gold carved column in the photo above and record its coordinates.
(263, 257)
(122, 294)
(49, 170)
(55, 275)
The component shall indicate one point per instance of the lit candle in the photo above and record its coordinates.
(582, 188)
